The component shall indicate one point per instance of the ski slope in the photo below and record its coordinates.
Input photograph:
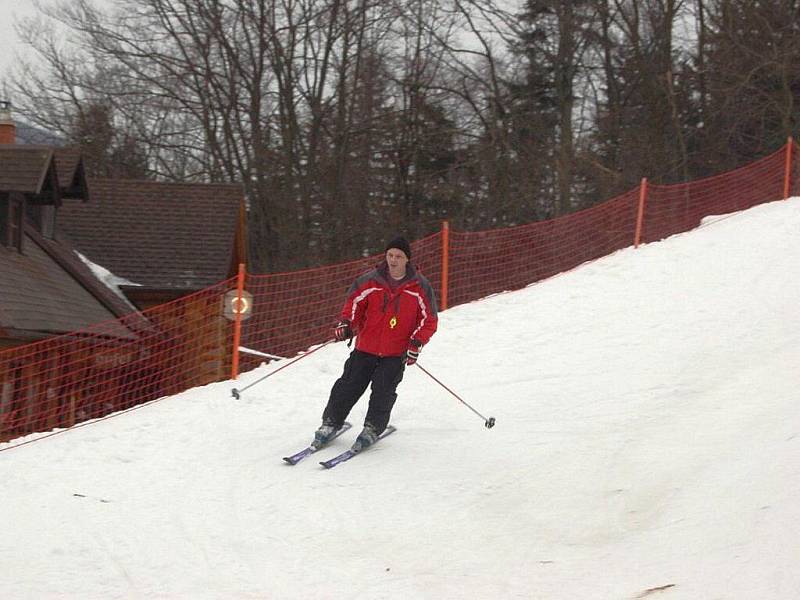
(647, 446)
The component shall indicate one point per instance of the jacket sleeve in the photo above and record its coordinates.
(355, 305)
(428, 314)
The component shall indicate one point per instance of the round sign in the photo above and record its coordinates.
(234, 306)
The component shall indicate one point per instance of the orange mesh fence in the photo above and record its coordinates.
(62, 381)
(111, 366)
(671, 209)
(488, 262)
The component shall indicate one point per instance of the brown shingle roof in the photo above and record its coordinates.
(67, 257)
(160, 235)
(71, 176)
(40, 297)
(25, 169)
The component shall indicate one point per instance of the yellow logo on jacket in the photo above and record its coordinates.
(392, 322)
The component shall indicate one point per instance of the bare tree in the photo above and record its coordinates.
(752, 72)
(349, 120)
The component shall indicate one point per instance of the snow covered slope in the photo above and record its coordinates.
(647, 446)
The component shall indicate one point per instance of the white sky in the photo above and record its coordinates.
(10, 45)
(647, 446)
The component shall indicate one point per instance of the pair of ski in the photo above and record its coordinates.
(339, 458)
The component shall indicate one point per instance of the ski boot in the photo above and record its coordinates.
(324, 434)
(367, 437)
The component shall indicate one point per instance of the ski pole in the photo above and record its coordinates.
(488, 423)
(237, 393)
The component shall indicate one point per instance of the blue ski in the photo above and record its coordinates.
(348, 454)
(296, 458)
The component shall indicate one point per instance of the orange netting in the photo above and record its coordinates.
(61, 381)
(680, 207)
(488, 262)
(116, 365)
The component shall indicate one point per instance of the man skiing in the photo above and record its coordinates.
(392, 312)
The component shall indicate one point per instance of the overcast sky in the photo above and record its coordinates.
(10, 11)
(11, 48)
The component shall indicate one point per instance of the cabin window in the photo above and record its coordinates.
(48, 221)
(11, 219)
(4, 219)
(43, 217)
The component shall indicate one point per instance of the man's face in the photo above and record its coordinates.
(397, 261)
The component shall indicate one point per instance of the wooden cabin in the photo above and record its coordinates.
(166, 240)
(73, 348)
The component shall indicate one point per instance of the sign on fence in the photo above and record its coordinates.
(233, 305)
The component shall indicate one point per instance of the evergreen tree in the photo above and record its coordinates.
(753, 78)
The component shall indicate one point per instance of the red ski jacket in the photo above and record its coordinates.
(387, 317)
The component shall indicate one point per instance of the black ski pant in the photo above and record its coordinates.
(385, 374)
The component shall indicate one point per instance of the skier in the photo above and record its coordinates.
(392, 312)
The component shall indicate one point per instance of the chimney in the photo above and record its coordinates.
(8, 130)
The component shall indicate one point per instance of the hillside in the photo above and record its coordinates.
(647, 446)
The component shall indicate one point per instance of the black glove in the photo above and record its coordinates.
(343, 331)
(412, 354)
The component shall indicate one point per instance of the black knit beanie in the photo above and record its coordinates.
(401, 244)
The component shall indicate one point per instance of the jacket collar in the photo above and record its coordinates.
(383, 271)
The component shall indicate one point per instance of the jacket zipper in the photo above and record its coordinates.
(392, 297)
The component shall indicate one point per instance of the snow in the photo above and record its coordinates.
(111, 281)
(647, 446)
